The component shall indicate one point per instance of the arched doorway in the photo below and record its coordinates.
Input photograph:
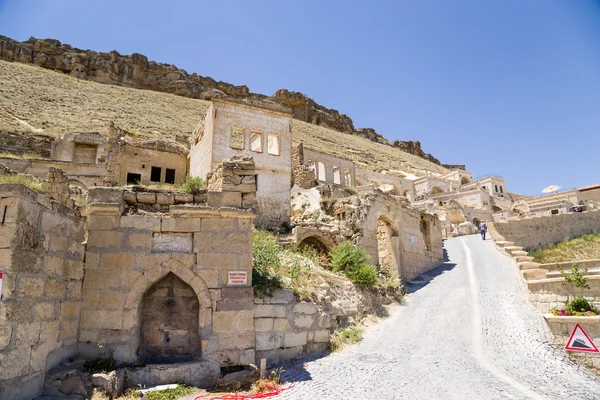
(317, 245)
(169, 328)
(387, 247)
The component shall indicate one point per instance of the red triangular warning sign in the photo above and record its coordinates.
(580, 341)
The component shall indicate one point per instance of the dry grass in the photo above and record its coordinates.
(36, 100)
(586, 247)
(26, 180)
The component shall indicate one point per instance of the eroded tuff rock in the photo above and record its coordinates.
(136, 71)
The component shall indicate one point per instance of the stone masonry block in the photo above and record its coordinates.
(181, 198)
(218, 261)
(269, 311)
(130, 197)
(321, 336)
(290, 353)
(292, 339)
(223, 321)
(263, 324)
(116, 261)
(305, 308)
(140, 240)
(224, 199)
(210, 277)
(30, 287)
(202, 242)
(281, 324)
(102, 222)
(236, 340)
(280, 296)
(146, 198)
(170, 224)
(101, 279)
(268, 341)
(140, 222)
(244, 321)
(104, 239)
(165, 199)
(232, 243)
(220, 225)
(304, 321)
(187, 260)
(172, 243)
(236, 299)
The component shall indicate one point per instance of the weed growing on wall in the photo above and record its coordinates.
(265, 263)
(26, 180)
(192, 185)
(344, 336)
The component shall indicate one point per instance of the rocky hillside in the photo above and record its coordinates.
(136, 71)
(37, 104)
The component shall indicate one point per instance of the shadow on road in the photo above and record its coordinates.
(295, 372)
(423, 280)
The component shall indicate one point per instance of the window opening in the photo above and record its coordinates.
(321, 173)
(236, 139)
(501, 191)
(133, 179)
(337, 177)
(170, 176)
(155, 174)
(273, 144)
(256, 142)
(496, 186)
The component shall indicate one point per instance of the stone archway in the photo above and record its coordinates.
(387, 247)
(145, 281)
(169, 322)
(315, 243)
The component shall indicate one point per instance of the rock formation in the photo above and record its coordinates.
(136, 71)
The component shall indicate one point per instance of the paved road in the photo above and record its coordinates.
(469, 333)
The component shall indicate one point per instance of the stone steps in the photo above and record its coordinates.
(519, 253)
(523, 258)
(511, 249)
(534, 274)
(504, 243)
(525, 265)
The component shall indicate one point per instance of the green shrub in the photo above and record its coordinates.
(193, 185)
(364, 274)
(265, 263)
(170, 394)
(578, 304)
(343, 336)
(351, 190)
(101, 364)
(346, 256)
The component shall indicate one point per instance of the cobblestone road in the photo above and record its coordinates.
(469, 333)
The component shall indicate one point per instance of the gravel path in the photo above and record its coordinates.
(467, 333)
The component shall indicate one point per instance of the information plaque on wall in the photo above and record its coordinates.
(237, 278)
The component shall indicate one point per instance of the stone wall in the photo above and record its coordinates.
(41, 258)
(536, 232)
(416, 237)
(286, 328)
(329, 169)
(302, 175)
(233, 183)
(562, 327)
(209, 249)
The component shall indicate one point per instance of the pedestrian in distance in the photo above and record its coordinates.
(482, 229)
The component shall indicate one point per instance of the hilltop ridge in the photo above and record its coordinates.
(137, 71)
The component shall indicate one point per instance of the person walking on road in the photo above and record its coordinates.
(482, 229)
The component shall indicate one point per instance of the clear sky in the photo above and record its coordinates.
(507, 87)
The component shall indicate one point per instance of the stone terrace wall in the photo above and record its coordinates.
(285, 328)
(536, 232)
(127, 255)
(562, 327)
(41, 257)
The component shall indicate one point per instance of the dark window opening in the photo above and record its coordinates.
(143, 165)
(501, 191)
(554, 212)
(155, 174)
(496, 186)
(170, 176)
(133, 179)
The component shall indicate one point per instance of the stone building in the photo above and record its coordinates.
(329, 169)
(232, 128)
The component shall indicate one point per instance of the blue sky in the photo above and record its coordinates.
(508, 87)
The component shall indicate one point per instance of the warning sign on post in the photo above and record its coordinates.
(237, 278)
(580, 341)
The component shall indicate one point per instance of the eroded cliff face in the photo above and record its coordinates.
(136, 71)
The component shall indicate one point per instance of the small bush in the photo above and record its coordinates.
(351, 190)
(170, 394)
(578, 304)
(346, 256)
(193, 185)
(101, 364)
(343, 336)
(265, 263)
(363, 275)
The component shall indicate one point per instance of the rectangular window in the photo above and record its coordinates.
(155, 174)
(337, 176)
(273, 144)
(501, 191)
(236, 140)
(133, 179)
(347, 178)
(321, 172)
(256, 141)
(496, 187)
(170, 176)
